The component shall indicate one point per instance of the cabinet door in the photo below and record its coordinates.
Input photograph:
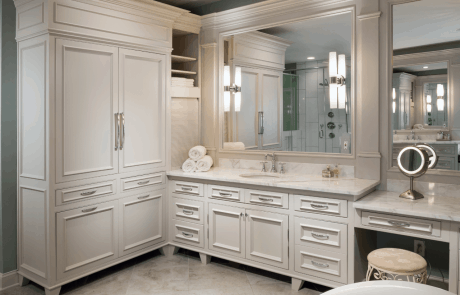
(142, 102)
(86, 238)
(226, 230)
(272, 107)
(141, 221)
(86, 101)
(267, 238)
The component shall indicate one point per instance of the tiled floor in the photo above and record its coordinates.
(182, 274)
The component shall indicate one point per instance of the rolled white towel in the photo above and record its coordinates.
(234, 146)
(197, 153)
(204, 164)
(189, 166)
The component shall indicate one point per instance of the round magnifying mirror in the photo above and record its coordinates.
(413, 162)
(431, 154)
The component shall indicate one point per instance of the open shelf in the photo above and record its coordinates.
(178, 58)
(183, 72)
(185, 92)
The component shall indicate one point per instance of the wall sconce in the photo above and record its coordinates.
(236, 89)
(428, 103)
(337, 75)
(440, 100)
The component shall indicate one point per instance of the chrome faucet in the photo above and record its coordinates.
(412, 134)
(273, 170)
(263, 164)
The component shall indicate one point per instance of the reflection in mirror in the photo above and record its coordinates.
(288, 88)
(411, 160)
(423, 109)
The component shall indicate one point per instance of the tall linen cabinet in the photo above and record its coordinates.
(93, 131)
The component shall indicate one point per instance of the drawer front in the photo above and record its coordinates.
(187, 210)
(149, 180)
(189, 188)
(278, 200)
(319, 263)
(446, 163)
(446, 150)
(402, 224)
(80, 193)
(225, 193)
(321, 205)
(321, 234)
(187, 233)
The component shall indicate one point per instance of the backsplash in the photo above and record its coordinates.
(291, 167)
(426, 188)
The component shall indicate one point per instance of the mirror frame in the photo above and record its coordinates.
(222, 37)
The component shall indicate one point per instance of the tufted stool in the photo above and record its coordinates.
(390, 263)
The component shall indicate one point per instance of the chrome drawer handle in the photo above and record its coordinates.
(89, 210)
(320, 236)
(143, 182)
(187, 235)
(225, 194)
(399, 224)
(187, 212)
(143, 197)
(266, 199)
(319, 207)
(88, 193)
(322, 265)
(186, 188)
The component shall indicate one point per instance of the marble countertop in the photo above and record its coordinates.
(427, 141)
(433, 207)
(346, 186)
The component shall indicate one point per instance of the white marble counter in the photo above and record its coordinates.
(427, 141)
(434, 207)
(346, 186)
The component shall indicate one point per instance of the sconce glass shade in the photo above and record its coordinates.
(394, 107)
(440, 90)
(428, 108)
(226, 93)
(394, 93)
(226, 75)
(342, 90)
(238, 76)
(332, 64)
(333, 95)
(342, 68)
(428, 98)
(238, 94)
(440, 104)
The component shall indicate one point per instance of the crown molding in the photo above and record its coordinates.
(261, 10)
(260, 38)
(369, 155)
(209, 45)
(427, 54)
(369, 15)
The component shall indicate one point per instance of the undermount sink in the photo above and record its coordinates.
(260, 175)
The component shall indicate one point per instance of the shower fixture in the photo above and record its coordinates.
(325, 83)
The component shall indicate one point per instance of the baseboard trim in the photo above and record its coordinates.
(8, 280)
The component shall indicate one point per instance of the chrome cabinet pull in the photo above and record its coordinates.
(187, 235)
(320, 236)
(265, 199)
(225, 194)
(319, 207)
(398, 224)
(187, 212)
(186, 188)
(322, 265)
(122, 137)
(117, 135)
(88, 193)
(143, 182)
(89, 210)
(241, 214)
(143, 197)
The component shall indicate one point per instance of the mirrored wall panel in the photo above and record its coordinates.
(289, 88)
(426, 51)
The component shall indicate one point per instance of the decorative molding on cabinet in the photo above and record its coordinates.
(369, 155)
(209, 45)
(369, 15)
(8, 279)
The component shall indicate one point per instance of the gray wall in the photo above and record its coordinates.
(8, 138)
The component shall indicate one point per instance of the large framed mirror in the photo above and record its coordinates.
(424, 105)
(290, 88)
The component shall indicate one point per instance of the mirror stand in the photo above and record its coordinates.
(411, 193)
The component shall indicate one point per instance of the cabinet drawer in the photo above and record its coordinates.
(446, 150)
(319, 263)
(321, 205)
(79, 193)
(321, 234)
(187, 210)
(189, 188)
(225, 193)
(446, 163)
(402, 224)
(86, 238)
(278, 200)
(187, 233)
(149, 180)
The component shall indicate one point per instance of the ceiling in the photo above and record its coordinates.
(420, 68)
(187, 4)
(203, 7)
(426, 22)
(316, 37)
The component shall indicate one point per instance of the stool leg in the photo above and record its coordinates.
(369, 272)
